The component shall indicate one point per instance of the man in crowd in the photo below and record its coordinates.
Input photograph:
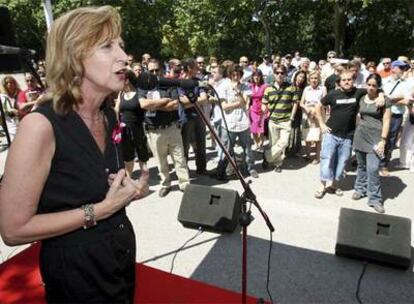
(193, 128)
(144, 61)
(281, 101)
(164, 135)
(174, 68)
(359, 78)
(399, 91)
(247, 70)
(290, 68)
(328, 68)
(386, 71)
(338, 132)
(237, 122)
(266, 67)
(137, 69)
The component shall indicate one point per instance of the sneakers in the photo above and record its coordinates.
(164, 191)
(377, 207)
(357, 196)
(254, 174)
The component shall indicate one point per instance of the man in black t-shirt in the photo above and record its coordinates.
(163, 130)
(338, 132)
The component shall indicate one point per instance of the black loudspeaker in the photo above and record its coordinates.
(374, 237)
(8, 63)
(211, 208)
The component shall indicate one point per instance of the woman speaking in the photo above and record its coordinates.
(63, 182)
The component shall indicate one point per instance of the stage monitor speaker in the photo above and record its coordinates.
(8, 63)
(374, 237)
(211, 208)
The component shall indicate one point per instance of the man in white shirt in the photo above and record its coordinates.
(247, 70)
(267, 69)
(399, 91)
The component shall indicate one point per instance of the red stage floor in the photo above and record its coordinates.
(20, 282)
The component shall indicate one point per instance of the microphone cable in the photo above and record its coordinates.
(364, 268)
(199, 232)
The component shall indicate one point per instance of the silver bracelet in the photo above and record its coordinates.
(89, 216)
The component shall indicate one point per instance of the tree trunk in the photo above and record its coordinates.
(340, 26)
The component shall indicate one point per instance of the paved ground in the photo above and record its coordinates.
(304, 268)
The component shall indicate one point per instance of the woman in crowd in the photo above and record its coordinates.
(299, 82)
(311, 97)
(257, 117)
(75, 196)
(132, 118)
(9, 91)
(369, 143)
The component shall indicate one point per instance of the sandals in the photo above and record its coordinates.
(320, 193)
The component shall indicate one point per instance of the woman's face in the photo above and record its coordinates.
(372, 87)
(256, 79)
(10, 85)
(314, 80)
(300, 79)
(105, 68)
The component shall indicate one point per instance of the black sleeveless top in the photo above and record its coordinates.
(130, 109)
(79, 170)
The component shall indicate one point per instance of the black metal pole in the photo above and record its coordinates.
(248, 195)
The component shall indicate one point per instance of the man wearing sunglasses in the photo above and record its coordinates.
(164, 131)
(281, 101)
(328, 68)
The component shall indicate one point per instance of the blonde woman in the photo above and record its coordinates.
(9, 91)
(311, 97)
(74, 198)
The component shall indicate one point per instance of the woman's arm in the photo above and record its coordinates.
(32, 151)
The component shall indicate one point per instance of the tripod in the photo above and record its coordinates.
(245, 217)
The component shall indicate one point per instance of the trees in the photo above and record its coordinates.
(231, 28)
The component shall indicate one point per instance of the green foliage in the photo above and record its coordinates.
(231, 28)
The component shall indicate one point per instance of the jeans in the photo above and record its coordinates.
(335, 152)
(245, 142)
(368, 181)
(395, 125)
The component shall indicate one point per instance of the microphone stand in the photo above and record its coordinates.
(245, 217)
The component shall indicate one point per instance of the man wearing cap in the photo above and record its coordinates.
(328, 68)
(267, 68)
(398, 90)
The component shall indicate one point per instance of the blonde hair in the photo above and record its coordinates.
(72, 38)
(315, 72)
(3, 88)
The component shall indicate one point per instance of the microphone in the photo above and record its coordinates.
(148, 81)
(13, 50)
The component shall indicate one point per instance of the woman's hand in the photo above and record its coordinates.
(325, 129)
(121, 191)
(141, 185)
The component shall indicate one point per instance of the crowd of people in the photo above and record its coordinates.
(94, 121)
(284, 106)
